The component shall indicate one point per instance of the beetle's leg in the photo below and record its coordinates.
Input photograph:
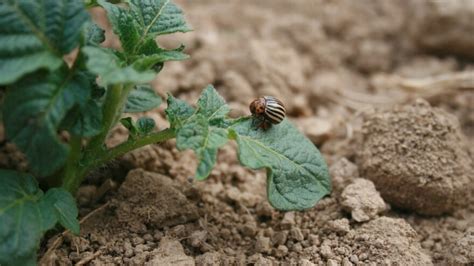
(265, 125)
(256, 121)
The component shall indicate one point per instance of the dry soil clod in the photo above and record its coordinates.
(416, 156)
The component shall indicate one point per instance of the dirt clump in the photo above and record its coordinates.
(159, 204)
(362, 200)
(461, 252)
(389, 241)
(444, 26)
(140, 224)
(318, 130)
(416, 157)
(12, 158)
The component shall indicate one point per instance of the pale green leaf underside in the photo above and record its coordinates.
(35, 34)
(111, 70)
(32, 111)
(26, 214)
(297, 174)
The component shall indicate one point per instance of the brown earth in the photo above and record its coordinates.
(350, 73)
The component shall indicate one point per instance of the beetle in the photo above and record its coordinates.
(267, 110)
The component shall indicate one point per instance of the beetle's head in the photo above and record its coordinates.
(257, 106)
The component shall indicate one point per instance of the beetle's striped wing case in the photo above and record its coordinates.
(274, 110)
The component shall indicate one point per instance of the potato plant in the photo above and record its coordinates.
(60, 115)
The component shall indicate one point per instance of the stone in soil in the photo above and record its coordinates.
(362, 200)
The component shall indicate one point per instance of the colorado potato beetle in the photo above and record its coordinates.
(267, 110)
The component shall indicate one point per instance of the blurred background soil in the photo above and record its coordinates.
(384, 88)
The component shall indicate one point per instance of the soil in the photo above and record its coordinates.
(386, 96)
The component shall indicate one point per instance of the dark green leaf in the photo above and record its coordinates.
(26, 214)
(64, 207)
(145, 125)
(123, 25)
(142, 99)
(33, 110)
(158, 17)
(297, 175)
(112, 70)
(138, 26)
(35, 34)
(198, 135)
(178, 111)
(85, 121)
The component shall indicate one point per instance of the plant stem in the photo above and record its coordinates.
(69, 172)
(96, 153)
(111, 107)
(127, 146)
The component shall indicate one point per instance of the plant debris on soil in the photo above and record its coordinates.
(385, 95)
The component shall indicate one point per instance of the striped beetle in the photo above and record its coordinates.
(267, 110)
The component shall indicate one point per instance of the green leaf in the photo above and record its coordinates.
(158, 17)
(297, 176)
(143, 126)
(112, 70)
(85, 121)
(205, 140)
(199, 131)
(35, 34)
(178, 111)
(138, 26)
(32, 112)
(123, 25)
(94, 35)
(64, 207)
(212, 105)
(128, 123)
(142, 99)
(145, 62)
(26, 214)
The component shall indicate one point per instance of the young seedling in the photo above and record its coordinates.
(60, 115)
